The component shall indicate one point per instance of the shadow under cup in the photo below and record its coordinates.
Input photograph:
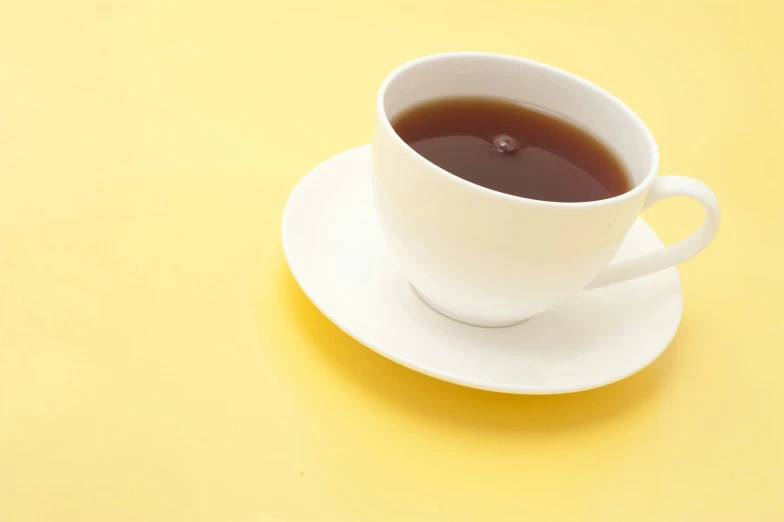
(483, 257)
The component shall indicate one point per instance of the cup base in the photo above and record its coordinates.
(465, 320)
(582, 344)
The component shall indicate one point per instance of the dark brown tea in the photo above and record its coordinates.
(513, 149)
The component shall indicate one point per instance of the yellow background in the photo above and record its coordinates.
(158, 362)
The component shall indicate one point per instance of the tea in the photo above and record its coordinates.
(512, 148)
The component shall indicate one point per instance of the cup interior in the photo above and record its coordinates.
(528, 82)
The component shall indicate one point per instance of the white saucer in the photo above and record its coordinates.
(335, 250)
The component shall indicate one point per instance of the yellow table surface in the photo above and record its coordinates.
(159, 363)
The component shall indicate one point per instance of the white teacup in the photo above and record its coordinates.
(491, 259)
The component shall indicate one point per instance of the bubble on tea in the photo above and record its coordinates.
(506, 144)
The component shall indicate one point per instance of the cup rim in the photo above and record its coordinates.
(648, 136)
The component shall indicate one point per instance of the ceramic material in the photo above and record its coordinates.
(491, 259)
(336, 251)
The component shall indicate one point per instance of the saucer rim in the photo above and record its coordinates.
(515, 389)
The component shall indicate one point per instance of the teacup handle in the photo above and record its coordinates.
(663, 188)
